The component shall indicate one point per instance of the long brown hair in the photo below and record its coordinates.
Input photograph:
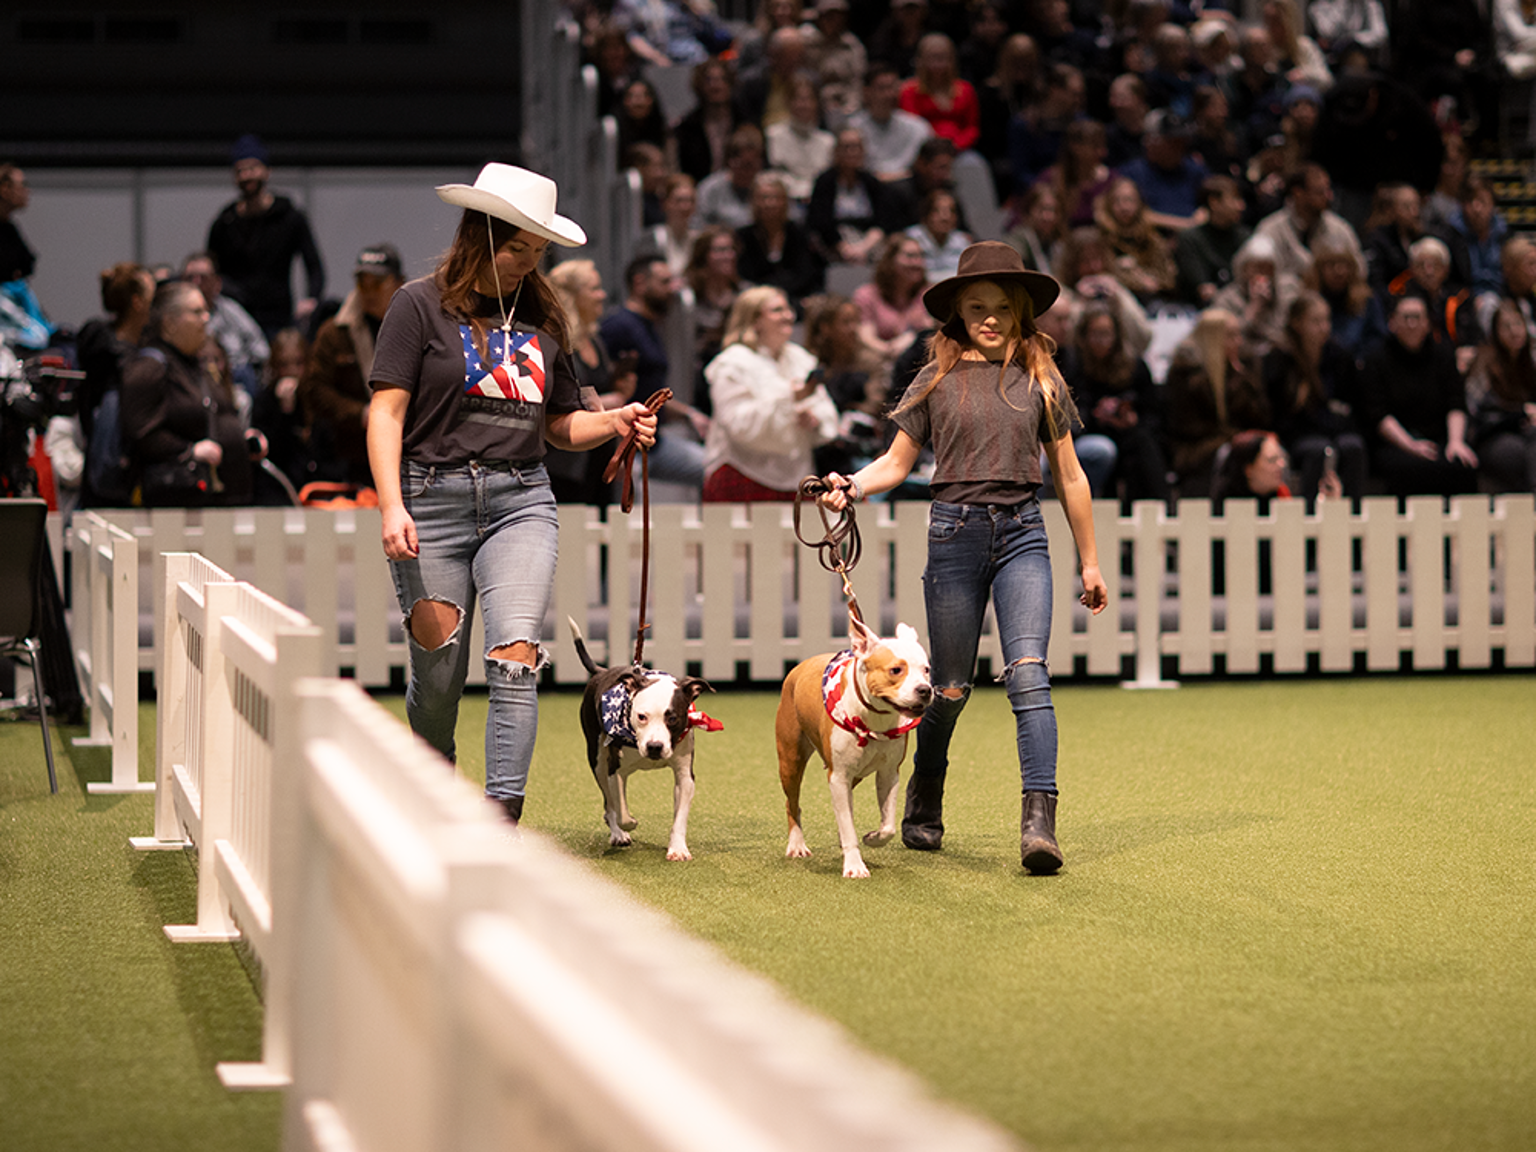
(1511, 378)
(469, 257)
(1035, 352)
(1305, 373)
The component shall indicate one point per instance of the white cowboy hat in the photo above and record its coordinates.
(519, 197)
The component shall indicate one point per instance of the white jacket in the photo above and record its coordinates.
(756, 426)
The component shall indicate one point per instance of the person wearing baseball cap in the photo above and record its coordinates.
(471, 377)
(988, 401)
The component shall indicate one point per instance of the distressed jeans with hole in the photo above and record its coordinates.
(977, 552)
(489, 533)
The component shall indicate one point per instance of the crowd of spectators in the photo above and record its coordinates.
(1297, 187)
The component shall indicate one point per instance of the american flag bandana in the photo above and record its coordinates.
(519, 370)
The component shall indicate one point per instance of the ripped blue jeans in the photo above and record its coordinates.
(489, 532)
(977, 552)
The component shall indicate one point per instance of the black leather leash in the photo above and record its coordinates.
(623, 459)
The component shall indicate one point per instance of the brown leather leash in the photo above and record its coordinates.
(623, 460)
(840, 546)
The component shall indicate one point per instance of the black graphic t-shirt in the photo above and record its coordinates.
(462, 407)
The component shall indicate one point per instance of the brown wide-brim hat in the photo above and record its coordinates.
(996, 261)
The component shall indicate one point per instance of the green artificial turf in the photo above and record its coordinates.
(1295, 915)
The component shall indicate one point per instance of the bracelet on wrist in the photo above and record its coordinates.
(855, 490)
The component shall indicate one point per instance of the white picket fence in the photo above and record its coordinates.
(225, 773)
(733, 593)
(462, 988)
(104, 635)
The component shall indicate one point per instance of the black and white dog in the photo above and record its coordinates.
(636, 719)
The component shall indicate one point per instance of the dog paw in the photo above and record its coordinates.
(681, 853)
(619, 840)
(629, 824)
(878, 837)
(855, 870)
(797, 850)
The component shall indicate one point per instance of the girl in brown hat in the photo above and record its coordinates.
(988, 401)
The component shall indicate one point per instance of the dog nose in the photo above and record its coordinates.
(655, 750)
(925, 694)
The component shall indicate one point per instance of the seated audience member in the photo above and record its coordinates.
(770, 408)
(1300, 112)
(1167, 177)
(1501, 403)
(1115, 395)
(673, 237)
(851, 210)
(1203, 254)
(774, 249)
(650, 290)
(1514, 38)
(1413, 404)
(577, 477)
(1083, 266)
(751, 45)
(610, 54)
(333, 387)
(891, 310)
(762, 94)
(1173, 78)
(1253, 465)
(228, 322)
(725, 197)
(937, 94)
(1258, 295)
(713, 278)
(1213, 390)
(836, 58)
(939, 235)
(667, 32)
(649, 163)
(1037, 235)
(1297, 55)
(180, 425)
(1452, 314)
(895, 39)
(277, 414)
(798, 148)
(1393, 225)
(852, 376)
(1215, 45)
(1212, 139)
(1443, 203)
(891, 136)
(703, 133)
(1517, 262)
(1079, 176)
(984, 42)
(103, 348)
(1140, 254)
(1306, 225)
(640, 118)
(1334, 24)
(1359, 321)
(1013, 86)
(933, 170)
(1310, 384)
(1035, 135)
(1482, 230)
(1128, 108)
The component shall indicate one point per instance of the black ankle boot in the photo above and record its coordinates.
(513, 807)
(1038, 849)
(922, 827)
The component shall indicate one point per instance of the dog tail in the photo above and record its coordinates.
(581, 649)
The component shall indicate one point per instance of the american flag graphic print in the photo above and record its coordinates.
(518, 373)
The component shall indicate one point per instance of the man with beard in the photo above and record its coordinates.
(255, 240)
(635, 329)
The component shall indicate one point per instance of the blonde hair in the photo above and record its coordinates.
(741, 325)
(566, 279)
(1034, 351)
(1210, 339)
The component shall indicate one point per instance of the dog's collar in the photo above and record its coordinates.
(613, 714)
(834, 683)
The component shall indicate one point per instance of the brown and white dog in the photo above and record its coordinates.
(855, 709)
(637, 719)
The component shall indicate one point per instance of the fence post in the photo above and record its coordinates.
(1148, 518)
(114, 644)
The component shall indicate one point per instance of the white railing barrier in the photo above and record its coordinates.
(462, 988)
(731, 587)
(105, 636)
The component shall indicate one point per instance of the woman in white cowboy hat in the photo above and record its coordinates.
(471, 376)
(988, 400)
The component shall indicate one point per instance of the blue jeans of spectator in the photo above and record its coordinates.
(675, 459)
(491, 533)
(976, 553)
(1098, 456)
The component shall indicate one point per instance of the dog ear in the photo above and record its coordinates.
(906, 632)
(693, 687)
(634, 677)
(860, 638)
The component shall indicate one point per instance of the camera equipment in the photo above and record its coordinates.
(34, 391)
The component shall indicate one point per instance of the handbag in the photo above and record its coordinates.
(177, 483)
